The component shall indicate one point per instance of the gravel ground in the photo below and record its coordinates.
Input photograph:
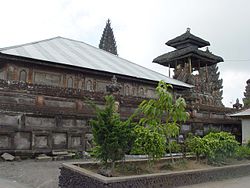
(36, 174)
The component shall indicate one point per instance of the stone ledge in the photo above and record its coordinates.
(74, 176)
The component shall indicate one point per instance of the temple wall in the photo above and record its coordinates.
(39, 119)
(44, 109)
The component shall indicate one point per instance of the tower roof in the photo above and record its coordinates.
(107, 41)
(187, 48)
(187, 39)
(199, 58)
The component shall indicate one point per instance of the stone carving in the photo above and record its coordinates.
(114, 87)
(237, 105)
(89, 142)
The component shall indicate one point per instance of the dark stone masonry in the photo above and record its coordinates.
(74, 176)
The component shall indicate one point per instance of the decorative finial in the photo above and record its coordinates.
(188, 30)
(207, 49)
(237, 105)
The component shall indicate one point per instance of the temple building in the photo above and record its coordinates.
(46, 87)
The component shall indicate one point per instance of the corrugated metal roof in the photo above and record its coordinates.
(75, 53)
(243, 113)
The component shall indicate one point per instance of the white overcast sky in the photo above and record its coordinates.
(141, 27)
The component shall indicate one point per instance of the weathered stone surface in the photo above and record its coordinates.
(22, 140)
(59, 152)
(7, 157)
(75, 141)
(59, 140)
(43, 157)
(73, 176)
(39, 122)
(4, 141)
(41, 141)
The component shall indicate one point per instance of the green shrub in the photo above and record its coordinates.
(197, 146)
(174, 147)
(243, 152)
(221, 145)
(248, 143)
(149, 142)
(215, 147)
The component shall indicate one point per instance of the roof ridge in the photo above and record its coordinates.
(29, 43)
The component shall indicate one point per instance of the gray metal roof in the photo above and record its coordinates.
(242, 114)
(79, 54)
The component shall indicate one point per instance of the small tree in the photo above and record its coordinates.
(163, 114)
(111, 136)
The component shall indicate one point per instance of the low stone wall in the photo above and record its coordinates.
(74, 176)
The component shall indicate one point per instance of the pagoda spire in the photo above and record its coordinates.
(246, 100)
(107, 41)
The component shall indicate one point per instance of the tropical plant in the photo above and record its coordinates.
(215, 147)
(243, 152)
(163, 114)
(111, 135)
(149, 142)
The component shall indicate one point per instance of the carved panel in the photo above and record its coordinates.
(68, 122)
(60, 104)
(80, 123)
(59, 140)
(9, 120)
(101, 86)
(39, 122)
(41, 141)
(22, 140)
(5, 141)
(47, 78)
(75, 141)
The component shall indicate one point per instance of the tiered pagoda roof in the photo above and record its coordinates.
(187, 46)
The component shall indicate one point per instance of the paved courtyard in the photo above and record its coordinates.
(32, 174)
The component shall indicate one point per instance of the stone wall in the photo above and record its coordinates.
(39, 118)
(74, 176)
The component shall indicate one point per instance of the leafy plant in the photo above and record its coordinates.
(243, 152)
(216, 147)
(197, 146)
(111, 135)
(174, 147)
(149, 142)
(163, 114)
